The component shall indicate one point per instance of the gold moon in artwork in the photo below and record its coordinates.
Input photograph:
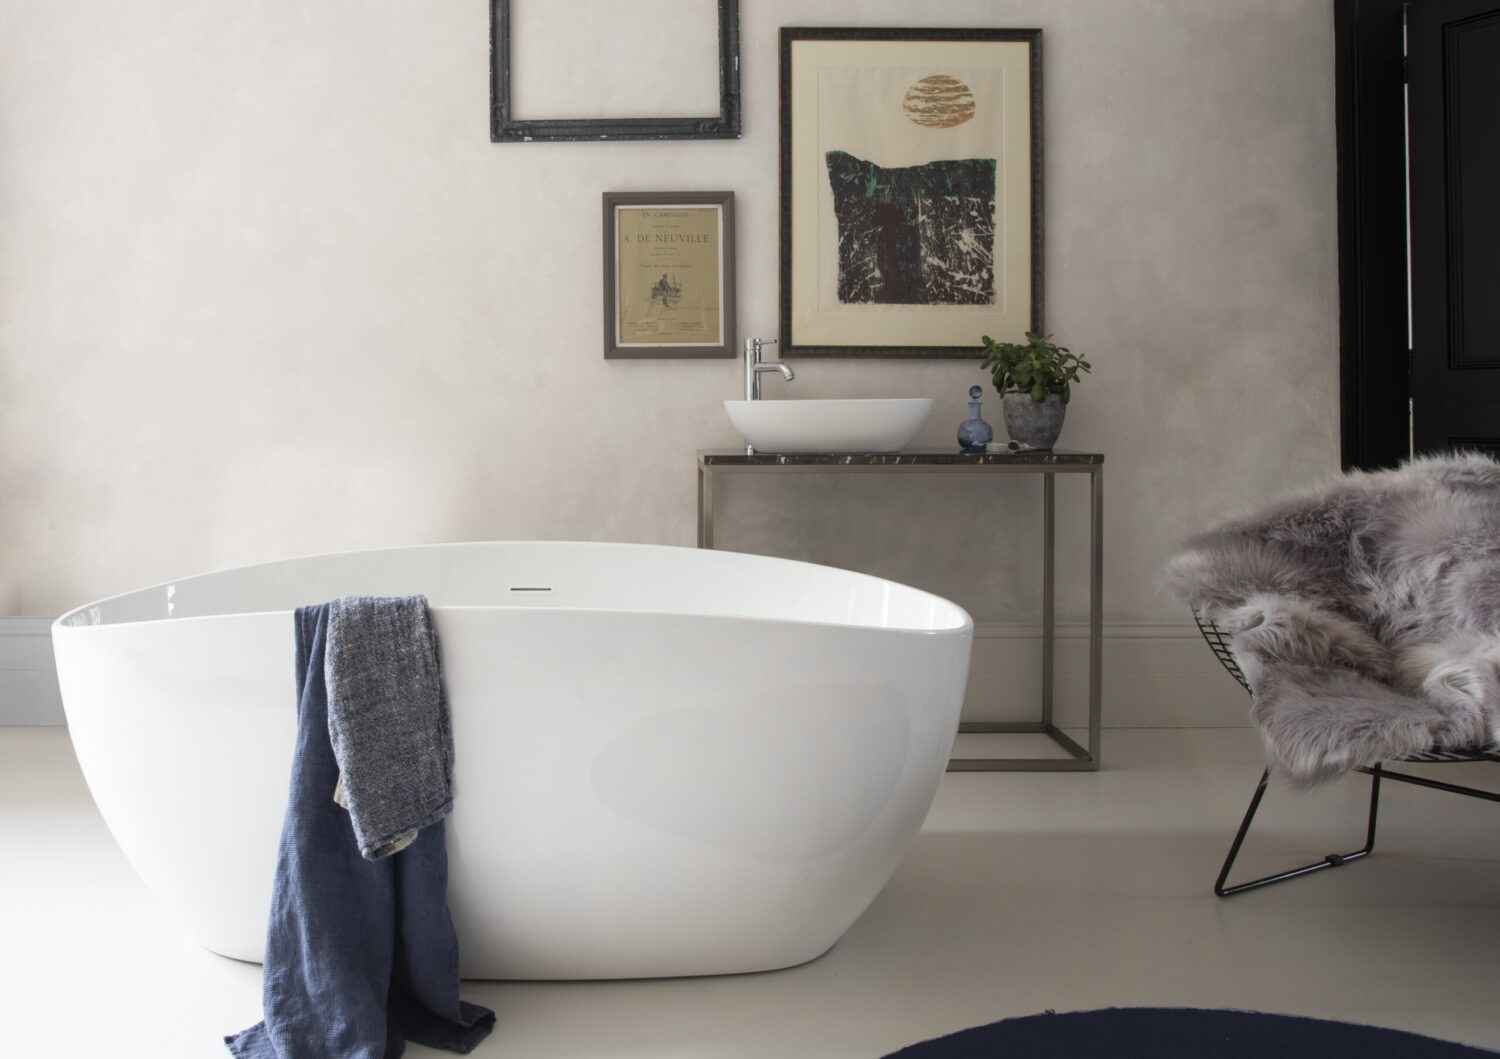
(939, 102)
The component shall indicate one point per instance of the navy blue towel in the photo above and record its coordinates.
(361, 955)
(388, 719)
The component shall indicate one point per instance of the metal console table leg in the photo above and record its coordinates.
(1048, 465)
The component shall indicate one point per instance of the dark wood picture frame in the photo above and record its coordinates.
(505, 128)
(920, 321)
(672, 231)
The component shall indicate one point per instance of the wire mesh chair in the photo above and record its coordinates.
(1218, 641)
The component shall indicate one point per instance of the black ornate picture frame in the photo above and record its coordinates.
(911, 190)
(506, 128)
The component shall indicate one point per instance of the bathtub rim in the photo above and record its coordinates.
(965, 619)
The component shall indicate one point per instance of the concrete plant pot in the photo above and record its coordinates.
(1035, 424)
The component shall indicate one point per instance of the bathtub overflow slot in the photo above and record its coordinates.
(525, 588)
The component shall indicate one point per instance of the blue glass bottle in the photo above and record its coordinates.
(974, 433)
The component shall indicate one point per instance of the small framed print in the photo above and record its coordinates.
(669, 274)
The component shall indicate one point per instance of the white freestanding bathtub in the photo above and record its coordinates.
(669, 761)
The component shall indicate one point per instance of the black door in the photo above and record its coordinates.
(1453, 73)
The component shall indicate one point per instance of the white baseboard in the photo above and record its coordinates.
(1155, 676)
(28, 675)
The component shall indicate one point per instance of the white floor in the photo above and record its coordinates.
(1025, 891)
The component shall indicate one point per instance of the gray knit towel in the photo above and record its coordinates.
(388, 719)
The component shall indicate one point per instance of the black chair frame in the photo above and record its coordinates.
(1218, 641)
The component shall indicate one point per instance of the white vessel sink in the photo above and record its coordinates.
(856, 424)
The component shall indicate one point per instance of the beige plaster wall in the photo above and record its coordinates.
(266, 288)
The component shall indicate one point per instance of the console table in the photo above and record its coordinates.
(1048, 465)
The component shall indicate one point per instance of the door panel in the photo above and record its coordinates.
(1454, 164)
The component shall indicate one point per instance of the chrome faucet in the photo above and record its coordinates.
(753, 367)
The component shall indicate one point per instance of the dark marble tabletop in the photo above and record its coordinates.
(905, 458)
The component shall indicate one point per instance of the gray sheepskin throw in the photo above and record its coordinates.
(1366, 616)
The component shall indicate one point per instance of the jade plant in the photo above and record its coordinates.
(1037, 366)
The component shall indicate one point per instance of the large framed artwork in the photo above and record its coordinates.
(671, 67)
(668, 274)
(911, 190)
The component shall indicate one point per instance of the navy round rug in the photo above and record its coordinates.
(1182, 1033)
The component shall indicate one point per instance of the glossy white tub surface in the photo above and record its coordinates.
(670, 761)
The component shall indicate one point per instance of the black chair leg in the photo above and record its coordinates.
(1333, 860)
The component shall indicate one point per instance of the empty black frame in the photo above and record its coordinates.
(723, 126)
(807, 328)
